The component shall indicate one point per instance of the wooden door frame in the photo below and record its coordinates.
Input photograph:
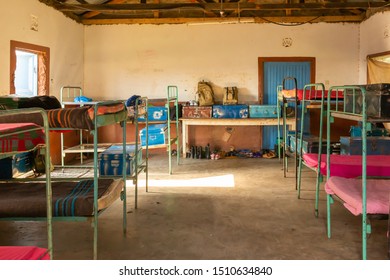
(43, 56)
(262, 60)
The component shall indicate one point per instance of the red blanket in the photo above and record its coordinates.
(15, 138)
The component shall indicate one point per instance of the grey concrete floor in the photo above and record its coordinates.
(259, 217)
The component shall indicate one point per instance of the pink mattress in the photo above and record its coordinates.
(350, 191)
(350, 166)
(23, 253)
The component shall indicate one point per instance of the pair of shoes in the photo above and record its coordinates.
(214, 156)
(270, 154)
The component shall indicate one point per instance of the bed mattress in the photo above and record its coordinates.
(311, 94)
(23, 253)
(349, 190)
(74, 116)
(350, 166)
(69, 198)
(19, 137)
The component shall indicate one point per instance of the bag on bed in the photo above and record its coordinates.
(39, 166)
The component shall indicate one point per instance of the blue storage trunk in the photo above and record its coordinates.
(157, 135)
(6, 168)
(156, 114)
(230, 111)
(111, 160)
(263, 111)
(375, 145)
(22, 163)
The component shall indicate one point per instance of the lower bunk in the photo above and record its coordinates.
(346, 166)
(373, 201)
(71, 200)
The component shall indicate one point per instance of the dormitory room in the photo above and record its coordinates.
(195, 130)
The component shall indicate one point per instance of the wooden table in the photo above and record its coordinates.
(229, 122)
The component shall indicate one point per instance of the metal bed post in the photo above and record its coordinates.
(285, 127)
(366, 228)
(124, 172)
(303, 111)
(70, 91)
(173, 97)
(95, 184)
(279, 95)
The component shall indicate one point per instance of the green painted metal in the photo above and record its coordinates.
(173, 97)
(363, 118)
(316, 87)
(49, 214)
(279, 100)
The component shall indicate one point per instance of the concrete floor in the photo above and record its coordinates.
(259, 217)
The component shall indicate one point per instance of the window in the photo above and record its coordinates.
(29, 69)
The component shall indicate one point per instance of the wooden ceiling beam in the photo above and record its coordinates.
(276, 20)
(95, 13)
(125, 8)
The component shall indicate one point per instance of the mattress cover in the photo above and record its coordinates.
(349, 190)
(311, 94)
(350, 166)
(23, 253)
(84, 117)
(18, 137)
(69, 198)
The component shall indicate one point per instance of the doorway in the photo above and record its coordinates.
(29, 69)
(272, 71)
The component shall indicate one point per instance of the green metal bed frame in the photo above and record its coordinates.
(46, 148)
(173, 98)
(319, 178)
(366, 126)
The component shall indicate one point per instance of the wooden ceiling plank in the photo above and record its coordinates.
(95, 13)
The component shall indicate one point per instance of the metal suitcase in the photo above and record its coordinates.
(263, 111)
(197, 112)
(376, 145)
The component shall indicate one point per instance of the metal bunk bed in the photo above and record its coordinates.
(283, 101)
(306, 104)
(46, 149)
(355, 114)
(172, 100)
(99, 120)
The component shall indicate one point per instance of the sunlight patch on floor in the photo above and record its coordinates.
(223, 181)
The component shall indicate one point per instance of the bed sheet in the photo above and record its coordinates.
(14, 137)
(69, 198)
(349, 190)
(23, 253)
(350, 166)
(311, 94)
(75, 117)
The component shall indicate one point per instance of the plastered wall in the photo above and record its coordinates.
(63, 36)
(124, 60)
(374, 38)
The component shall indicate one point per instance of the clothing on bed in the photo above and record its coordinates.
(349, 190)
(68, 198)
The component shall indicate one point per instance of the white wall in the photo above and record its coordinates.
(124, 60)
(374, 38)
(63, 36)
